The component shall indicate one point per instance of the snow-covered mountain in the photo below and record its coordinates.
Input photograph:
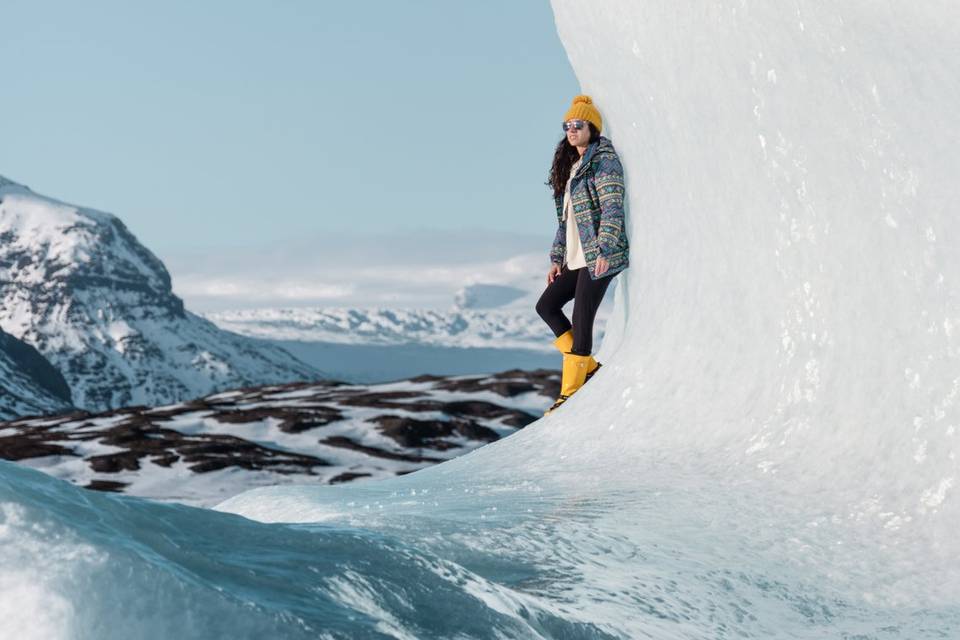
(380, 344)
(29, 384)
(490, 326)
(78, 286)
(495, 328)
(202, 451)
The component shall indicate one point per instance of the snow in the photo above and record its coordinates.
(75, 284)
(500, 329)
(769, 450)
(347, 445)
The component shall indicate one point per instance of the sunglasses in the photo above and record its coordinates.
(576, 124)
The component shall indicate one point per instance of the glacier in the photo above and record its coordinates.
(769, 451)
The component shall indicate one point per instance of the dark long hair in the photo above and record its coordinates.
(563, 158)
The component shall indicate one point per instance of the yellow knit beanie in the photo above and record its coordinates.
(583, 109)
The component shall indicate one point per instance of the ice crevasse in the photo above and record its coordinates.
(770, 449)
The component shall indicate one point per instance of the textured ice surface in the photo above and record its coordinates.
(770, 448)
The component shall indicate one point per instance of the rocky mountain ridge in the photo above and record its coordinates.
(29, 384)
(78, 286)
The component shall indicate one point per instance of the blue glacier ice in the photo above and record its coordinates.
(770, 450)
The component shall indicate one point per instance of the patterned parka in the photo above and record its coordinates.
(596, 199)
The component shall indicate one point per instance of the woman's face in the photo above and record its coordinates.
(581, 137)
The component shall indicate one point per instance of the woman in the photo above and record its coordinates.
(590, 246)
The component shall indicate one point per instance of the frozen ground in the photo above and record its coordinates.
(207, 449)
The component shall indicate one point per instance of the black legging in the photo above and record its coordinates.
(586, 293)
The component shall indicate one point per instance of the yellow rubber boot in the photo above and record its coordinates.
(574, 375)
(592, 367)
(564, 344)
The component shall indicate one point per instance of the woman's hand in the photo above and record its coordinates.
(553, 273)
(601, 267)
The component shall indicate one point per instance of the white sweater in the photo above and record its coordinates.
(575, 257)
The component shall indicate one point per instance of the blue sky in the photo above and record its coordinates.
(219, 126)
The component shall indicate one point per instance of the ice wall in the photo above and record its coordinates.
(791, 312)
(782, 358)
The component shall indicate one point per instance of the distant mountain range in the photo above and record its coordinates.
(458, 327)
(77, 286)
(380, 344)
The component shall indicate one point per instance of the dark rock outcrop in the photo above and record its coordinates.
(29, 384)
(327, 432)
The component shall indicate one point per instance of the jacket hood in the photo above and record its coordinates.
(602, 146)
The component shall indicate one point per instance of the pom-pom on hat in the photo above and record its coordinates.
(583, 109)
